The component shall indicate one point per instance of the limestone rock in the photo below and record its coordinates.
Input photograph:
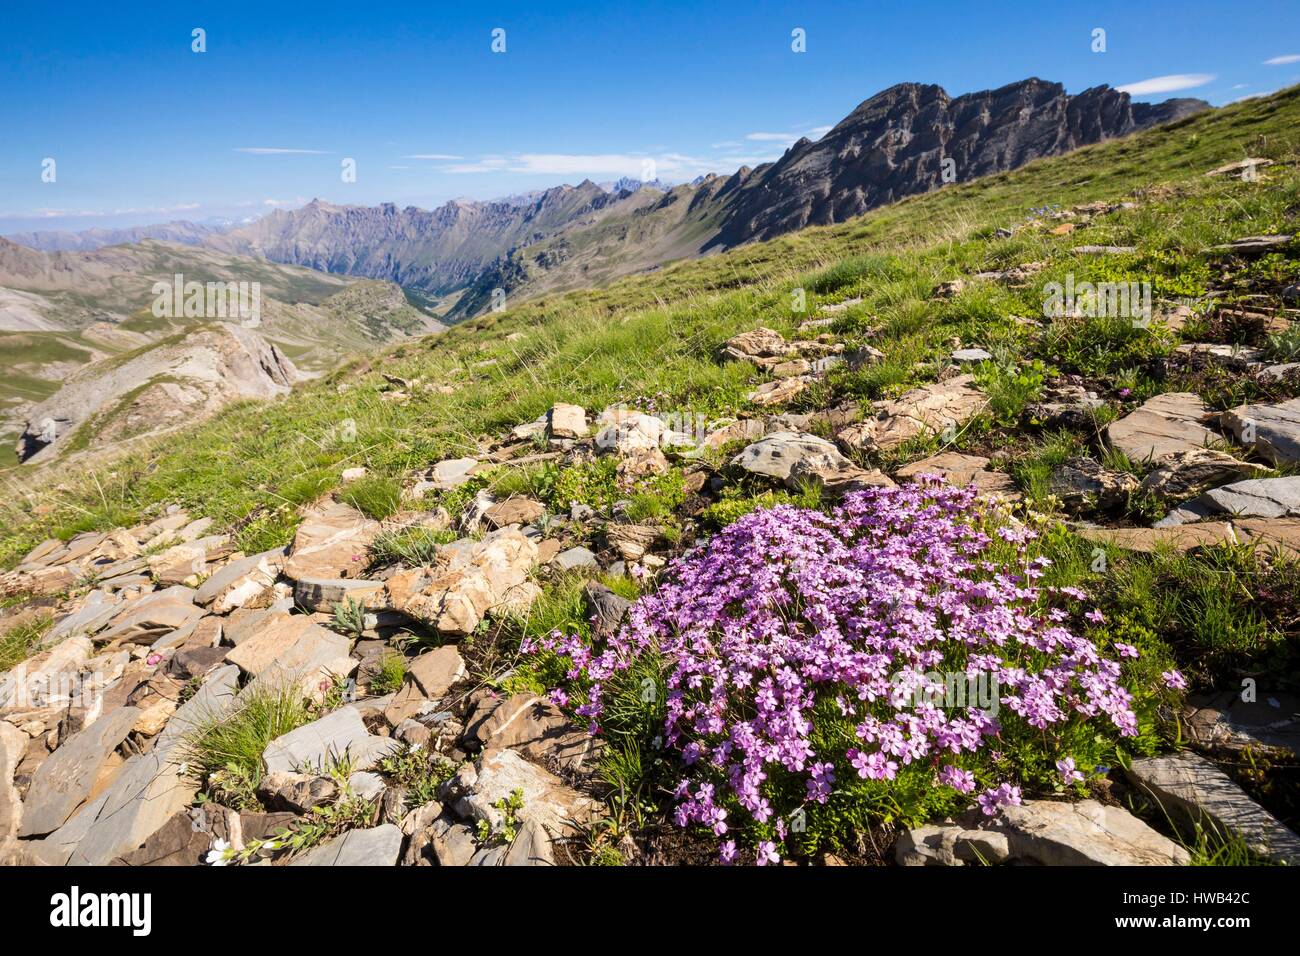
(1191, 788)
(1148, 540)
(1162, 427)
(1271, 430)
(332, 542)
(961, 470)
(759, 346)
(567, 421)
(513, 511)
(927, 410)
(553, 804)
(1187, 474)
(312, 746)
(238, 582)
(1084, 485)
(379, 846)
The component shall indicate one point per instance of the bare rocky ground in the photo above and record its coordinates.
(400, 745)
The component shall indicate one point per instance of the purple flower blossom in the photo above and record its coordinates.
(790, 617)
(1068, 774)
(1174, 680)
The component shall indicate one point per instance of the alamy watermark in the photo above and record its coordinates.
(208, 300)
(1093, 300)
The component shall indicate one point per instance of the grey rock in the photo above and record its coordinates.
(313, 746)
(379, 846)
(1272, 430)
(574, 558)
(62, 782)
(1194, 790)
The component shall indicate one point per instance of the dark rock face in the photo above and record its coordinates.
(895, 143)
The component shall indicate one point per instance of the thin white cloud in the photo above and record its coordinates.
(1241, 86)
(277, 151)
(281, 203)
(47, 213)
(1167, 84)
(399, 167)
(443, 156)
(665, 165)
(1283, 60)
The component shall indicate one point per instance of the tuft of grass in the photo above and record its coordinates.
(20, 641)
(388, 673)
(231, 744)
(375, 496)
(411, 546)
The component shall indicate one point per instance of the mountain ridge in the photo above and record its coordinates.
(890, 146)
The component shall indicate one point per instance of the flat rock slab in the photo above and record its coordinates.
(333, 541)
(147, 792)
(1180, 538)
(64, 781)
(380, 846)
(1271, 430)
(962, 470)
(239, 581)
(1253, 498)
(313, 746)
(289, 642)
(1192, 787)
(1164, 426)
(776, 455)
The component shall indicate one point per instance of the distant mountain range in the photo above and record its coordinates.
(893, 145)
(87, 240)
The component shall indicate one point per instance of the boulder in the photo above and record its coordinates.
(13, 742)
(776, 455)
(575, 558)
(1086, 833)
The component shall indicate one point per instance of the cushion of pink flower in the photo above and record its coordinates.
(789, 608)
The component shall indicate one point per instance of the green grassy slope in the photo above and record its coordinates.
(654, 335)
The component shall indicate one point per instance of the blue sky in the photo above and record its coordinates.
(143, 129)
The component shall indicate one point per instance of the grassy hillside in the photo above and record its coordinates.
(654, 335)
(905, 286)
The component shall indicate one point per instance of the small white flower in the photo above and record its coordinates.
(219, 855)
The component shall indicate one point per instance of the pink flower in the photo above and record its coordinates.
(960, 780)
(1126, 650)
(1095, 616)
(1068, 774)
(1174, 680)
(767, 853)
